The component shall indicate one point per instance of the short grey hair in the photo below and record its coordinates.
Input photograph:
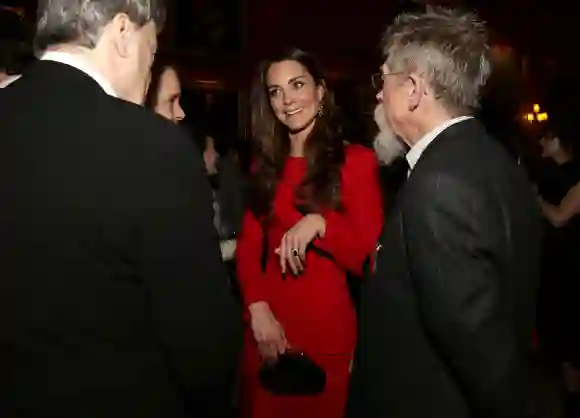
(448, 47)
(81, 21)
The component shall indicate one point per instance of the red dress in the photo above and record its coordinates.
(315, 309)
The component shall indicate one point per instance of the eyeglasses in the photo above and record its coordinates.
(378, 79)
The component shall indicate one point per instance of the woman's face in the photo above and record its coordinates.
(550, 146)
(167, 100)
(294, 96)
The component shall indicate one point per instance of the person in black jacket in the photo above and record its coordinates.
(446, 322)
(114, 301)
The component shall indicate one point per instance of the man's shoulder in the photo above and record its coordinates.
(134, 114)
(468, 137)
(475, 167)
(137, 123)
(156, 149)
(466, 151)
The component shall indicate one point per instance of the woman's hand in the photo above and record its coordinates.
(292, 250)
(268, 332)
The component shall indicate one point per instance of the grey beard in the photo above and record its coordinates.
(386, 143)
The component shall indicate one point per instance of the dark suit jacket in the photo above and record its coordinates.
(230, 194)
(446, 322)
(113, 298)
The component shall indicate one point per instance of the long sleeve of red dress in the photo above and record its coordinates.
(351, 235)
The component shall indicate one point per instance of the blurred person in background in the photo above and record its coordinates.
(228, 185)
(558, 309)
(164, 92)
(164, 97)
(16, 51)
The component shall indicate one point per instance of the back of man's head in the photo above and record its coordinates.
(81, 22)
(15, 42)
(116, 38)
(447, 47)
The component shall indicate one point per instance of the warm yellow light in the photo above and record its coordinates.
(536, 108)
(542, 117)
(530, 117)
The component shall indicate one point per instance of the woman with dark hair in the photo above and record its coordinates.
(315, 214)
(164, 92)
(558, 308)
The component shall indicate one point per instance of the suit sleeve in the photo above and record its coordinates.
(352, 234)
(249, 260)
(178, 257)
(452, 240)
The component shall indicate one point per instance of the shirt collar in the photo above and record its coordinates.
(80, 64)
(416, 150)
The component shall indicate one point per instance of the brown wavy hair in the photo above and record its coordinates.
(323, 149)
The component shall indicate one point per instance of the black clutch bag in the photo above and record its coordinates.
(294, 373)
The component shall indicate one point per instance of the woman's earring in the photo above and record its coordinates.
(320, 110)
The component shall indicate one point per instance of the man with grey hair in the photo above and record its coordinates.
(446, 323)
(113, 301)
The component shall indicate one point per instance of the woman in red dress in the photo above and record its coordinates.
(308, 191)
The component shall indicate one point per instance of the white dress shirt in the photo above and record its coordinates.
(80, 64)
(416, 150)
